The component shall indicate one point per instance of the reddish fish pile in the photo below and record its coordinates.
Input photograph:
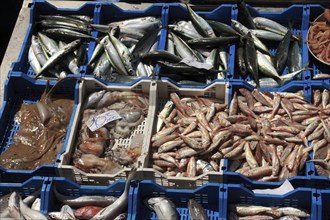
(320, 130)
(248, 212)
(264, 135)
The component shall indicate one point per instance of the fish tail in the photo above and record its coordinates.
(185, 2)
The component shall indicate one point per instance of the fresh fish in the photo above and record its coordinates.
(251, 60)
(183, 49)
(59, 56)
(87, 212)
(38, 51)
(76, 202)
(244, 15)
(266, 67)
(212, 41)
(145, 44)
(14, 207)
(221, 28)
(48, 44)
(293, 211)
(282, 52)
(196, 210)
(116, 208)
(70, 61)
(244, 31)
(115, 58)
(28, 213)
(294, 59)
(200, 24)
(185, 29)
(164, 208)
(240, 59)
(98, 50)
(102, 66)
(66, 213)
(33, 61)
(66, 34)
(267, 35)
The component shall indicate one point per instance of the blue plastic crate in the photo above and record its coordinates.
(224, 13)
(41, 7)
(300, 197)
(22, 89)
(107, 13)
(26, 188)
(315, 10)
(298, 14)
(207, 195)
(323, 202)
(69, 188)
(237, 178)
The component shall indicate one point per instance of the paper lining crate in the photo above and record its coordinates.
(298, 15)
(68, 188)
(20, 90)
(207, 195)
(304, 198)
(139, 137)
(41, 7)
(231, 177)
(216, 90)
(107, 13)
(223, 13)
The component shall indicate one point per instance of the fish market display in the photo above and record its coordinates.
(93, 206)
(318, 37)
(120, 50)
(14, 207)
(247, 212)
(197, 50)
(320, 133)
(60, 45)
(42, 131)
(101, 150)
(264, 135)
(253, 56)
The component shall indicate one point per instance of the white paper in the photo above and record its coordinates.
(283, 189)
(98, 121)
(196, 64)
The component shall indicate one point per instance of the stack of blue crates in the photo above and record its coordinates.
(312, 192)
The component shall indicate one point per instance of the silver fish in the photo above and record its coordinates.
(196, 210)
(164, 208)
(30, 214)
(66, 213)
(116, 208)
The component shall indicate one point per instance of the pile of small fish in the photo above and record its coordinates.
(318, 37)
(165, 209)
(320, 129)
(60, 45)
(99, 151)
(190, 131)
(248, 212)
(117, 56)
(264, 135)
(93, 207)
(197, 50)
(253, 56)
(14, 207)
(42, 130)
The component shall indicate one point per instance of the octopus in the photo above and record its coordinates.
(43, 127)
(95, 152)
(319, 38)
